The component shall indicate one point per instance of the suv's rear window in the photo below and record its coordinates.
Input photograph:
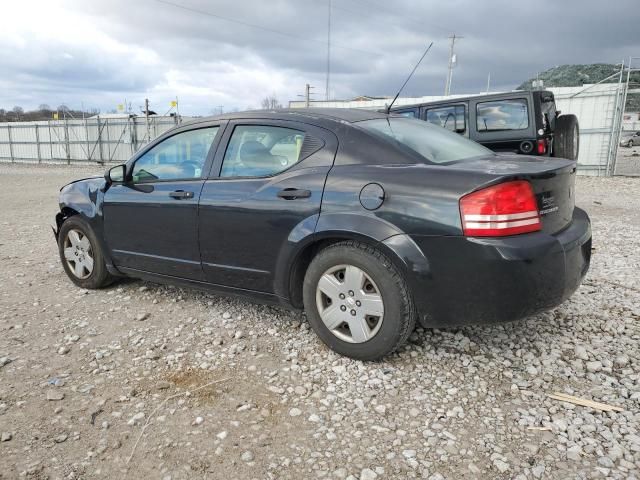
(434, 143)
(500, 115)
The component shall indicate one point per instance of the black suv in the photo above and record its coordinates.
(521, 122)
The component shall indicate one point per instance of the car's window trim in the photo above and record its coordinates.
(241, 123)
(205, 168)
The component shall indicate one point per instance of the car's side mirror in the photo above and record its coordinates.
(115, 174)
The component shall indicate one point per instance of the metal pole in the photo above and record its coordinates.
(328, 52)
(616, 121)
(38, 143)
(50, 139)
(306, 95)
(100, 140)
(10, 144)
(106, 123)
(488, 81)
(86, 135)
(66, 137)
(447, 87)
(146, 117)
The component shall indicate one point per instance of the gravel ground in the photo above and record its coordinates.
(628, 161)
(146, 380)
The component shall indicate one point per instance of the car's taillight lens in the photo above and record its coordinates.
(542, 146)
(505, 209)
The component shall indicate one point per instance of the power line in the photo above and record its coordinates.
(260, 27)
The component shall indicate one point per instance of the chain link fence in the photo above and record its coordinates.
(97, 139)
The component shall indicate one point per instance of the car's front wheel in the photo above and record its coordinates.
(81, 254)
(357, 302)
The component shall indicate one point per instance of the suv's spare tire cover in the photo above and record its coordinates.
(566, 140)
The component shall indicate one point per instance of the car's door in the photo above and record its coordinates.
(150, 220)
(266, 186)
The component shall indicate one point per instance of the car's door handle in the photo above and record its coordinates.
(294, 193)
(180, 194)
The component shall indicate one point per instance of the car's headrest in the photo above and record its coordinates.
(249, 150)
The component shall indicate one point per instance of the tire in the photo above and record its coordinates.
(386, 292)
(566, 141)
(76, 234)
(630, 143)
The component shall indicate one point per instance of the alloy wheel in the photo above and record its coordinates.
(78, 254)
(349, 303)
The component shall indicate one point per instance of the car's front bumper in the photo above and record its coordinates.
(479, 280)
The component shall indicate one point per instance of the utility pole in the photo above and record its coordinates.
(307, 95)
(488, 81)
(328, 52)
(452, 63)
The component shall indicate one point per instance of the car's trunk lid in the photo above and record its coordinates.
(552, 180)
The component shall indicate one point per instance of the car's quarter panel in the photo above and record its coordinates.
(147, 229)
(247, 231)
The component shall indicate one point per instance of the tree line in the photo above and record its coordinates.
(43, 112)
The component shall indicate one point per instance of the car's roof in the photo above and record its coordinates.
(314, 115)
(481, 96)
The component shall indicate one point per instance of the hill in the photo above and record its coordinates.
(577, 75)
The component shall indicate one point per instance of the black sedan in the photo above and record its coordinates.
(369, 222)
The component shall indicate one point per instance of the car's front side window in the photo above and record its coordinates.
(181, 156)
(261, 151)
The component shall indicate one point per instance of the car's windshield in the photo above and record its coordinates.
(434, 143)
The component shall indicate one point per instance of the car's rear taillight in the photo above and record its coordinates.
(542, 146)
(505, 209)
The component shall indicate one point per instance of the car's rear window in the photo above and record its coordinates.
(434, 143)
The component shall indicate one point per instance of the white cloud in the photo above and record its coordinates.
(100, 53)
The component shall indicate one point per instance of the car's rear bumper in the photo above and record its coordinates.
(477, 280)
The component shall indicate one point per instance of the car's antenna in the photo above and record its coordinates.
(409, 77)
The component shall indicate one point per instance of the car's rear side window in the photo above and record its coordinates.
(433, 143)
(501, 115)
(261, 151)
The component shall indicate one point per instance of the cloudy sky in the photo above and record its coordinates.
(215, 54)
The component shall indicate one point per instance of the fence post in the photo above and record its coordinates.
(66, 140)
(50, 140)
(86, 136)
(10, 144)
(106, 123)
(100, 140)
(38, 144)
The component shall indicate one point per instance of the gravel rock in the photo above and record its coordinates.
(5, 436)
(55, 395)
(368, 474)
(247, 456)
(451, 403)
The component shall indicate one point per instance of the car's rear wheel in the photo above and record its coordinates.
(566, 141)
(81, 254)
(630, 143)
(357, 301)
